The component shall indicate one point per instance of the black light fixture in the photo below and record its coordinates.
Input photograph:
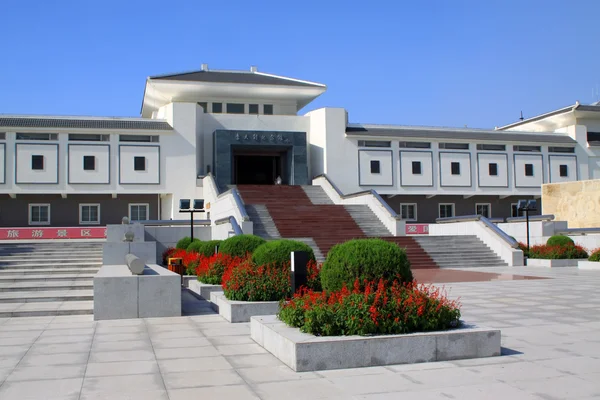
(526, 206)
(184, 207)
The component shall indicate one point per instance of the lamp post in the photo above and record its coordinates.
(185, 207)
(526, 206)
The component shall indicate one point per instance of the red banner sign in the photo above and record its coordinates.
(417, 229)
(52, 233)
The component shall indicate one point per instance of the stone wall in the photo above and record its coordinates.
(578, 202)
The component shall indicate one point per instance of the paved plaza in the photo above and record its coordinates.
(550, 338)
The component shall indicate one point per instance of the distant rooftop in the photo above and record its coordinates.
(231, 76)
(68, 122)
(428, 132)
(594, 107)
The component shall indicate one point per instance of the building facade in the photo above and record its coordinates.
(244, 127)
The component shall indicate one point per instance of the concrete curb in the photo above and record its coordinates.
(303, 352)
(241, 311)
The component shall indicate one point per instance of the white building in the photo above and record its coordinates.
(244, 127)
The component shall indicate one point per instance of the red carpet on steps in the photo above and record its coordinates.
(295, 216)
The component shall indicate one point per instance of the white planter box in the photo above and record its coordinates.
(187, 279)
(594, 265)
(241, 311)
(304, 352)
(539, 262)
(203, 289)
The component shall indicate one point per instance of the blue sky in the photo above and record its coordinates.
(429, 62)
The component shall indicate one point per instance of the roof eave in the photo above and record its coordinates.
(539, 117)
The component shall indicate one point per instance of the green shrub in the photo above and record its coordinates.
(207, 249)
(240, 245)
(595, 256)
(278, 252)
(560, 240)
(364, 259)
(184, 243)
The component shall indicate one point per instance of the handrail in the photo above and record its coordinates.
(161, 222)
(240, 204)
(234, 224)
(461, 218)
(489, 224)
(214, 183)
(578, 231)
(508, 239)
(356, 194)
(546, 217)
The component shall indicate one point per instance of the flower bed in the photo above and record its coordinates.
(377, 309)
(210, 270)
(557, 252)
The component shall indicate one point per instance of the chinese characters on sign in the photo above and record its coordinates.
(417, 229)
(52, 233)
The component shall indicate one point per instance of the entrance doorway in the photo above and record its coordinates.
(258, 168)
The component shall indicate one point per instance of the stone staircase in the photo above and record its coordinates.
(306, 212)
(459, 251)
(263, 224)
(367, 220)
(49, 278)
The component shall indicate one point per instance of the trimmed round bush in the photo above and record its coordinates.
(364, 259)
(560, 240)
(183, 243)
(278, 252)
(206, 249)
(240, 245)
(595, 256)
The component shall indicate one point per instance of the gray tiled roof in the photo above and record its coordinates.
(457, 133)
(234, 77)
(83, 123)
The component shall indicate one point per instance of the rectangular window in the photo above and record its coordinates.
(528, 169)
(593, 138)
(235, 108)
(77, 137)
(416, 167)
(375, 167)
(139, 138)
(491, 147)
(536, 149)
(374, 143)
(455, 167)
(253, 109)
(564, 171)
(89, 163)
(415, 145)
(204, 106)
(483, 209)
(493, 169)
(454, 146)
(138, 212)
(2, 135)
(39, 214)
(561, 149)
(89, 213)
(37, 136)
(408, 212)
(268, 109)
(139, 163)
(37, 162)
(514, 211)
(217, 108)
(446, 210)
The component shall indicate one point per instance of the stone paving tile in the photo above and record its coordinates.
(563, 387)
(119, 337)
(193, 364)
(33, 360)
(124, 345)
(274, 374)
(114, 356)
(109, 385)
(182, 380)
(64, 339)
(186, 352)
(22, 373)
(41, 389)
(144, 395)
(237, 392)
(120, 368)
(254, 360)
(241, 349)
(180, 342)
(300, 390)
(230, 340)
(40, 349)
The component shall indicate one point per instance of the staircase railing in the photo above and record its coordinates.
(502, 244)
(225, 205)
(392, 221)
(237, 230)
